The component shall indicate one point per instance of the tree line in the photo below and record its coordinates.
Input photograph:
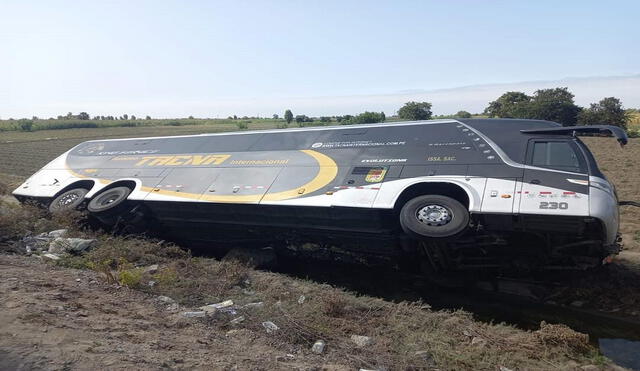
(555, 104)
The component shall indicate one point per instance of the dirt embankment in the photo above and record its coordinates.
(136, 303)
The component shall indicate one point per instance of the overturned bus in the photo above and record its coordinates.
(461, 194)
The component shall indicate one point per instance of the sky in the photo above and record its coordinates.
(215, 58)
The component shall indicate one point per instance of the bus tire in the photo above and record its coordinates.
(433, 216)
(109, 201)
(68, 200)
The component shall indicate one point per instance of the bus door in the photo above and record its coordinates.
(556, 179)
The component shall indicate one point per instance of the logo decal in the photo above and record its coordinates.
(375, 175)
(180, 160)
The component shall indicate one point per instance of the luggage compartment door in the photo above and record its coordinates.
(498, 195)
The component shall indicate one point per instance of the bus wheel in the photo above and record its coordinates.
(433, 216)
(68, 200)
(109, 202)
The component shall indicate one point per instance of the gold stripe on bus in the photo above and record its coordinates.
(327, 172)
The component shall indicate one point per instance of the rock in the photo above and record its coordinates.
(590, 368)
(270, 327)
(253, 305)
(478, 341)
(577, 303)
(72, 245)
(318, 347)
(78, 280)
(262, 258)
(301, 299)
(151, 283)
(224, 304)
(237, 320)
(361, 341)
(152, 269)
(209, 310)
(173, 307)
(57, 233)
(51, 256)
(194, 314)
(165, 299)
(502, 368)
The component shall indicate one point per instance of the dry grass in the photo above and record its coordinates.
(405, 335)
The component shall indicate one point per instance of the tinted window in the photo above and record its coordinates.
(557, 155)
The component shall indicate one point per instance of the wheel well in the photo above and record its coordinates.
(433, 188)
(86, 184)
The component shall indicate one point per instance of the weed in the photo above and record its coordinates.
(130, 277)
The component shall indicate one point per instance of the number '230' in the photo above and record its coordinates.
(554, 205)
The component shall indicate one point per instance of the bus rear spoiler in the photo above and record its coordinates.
(609, 130)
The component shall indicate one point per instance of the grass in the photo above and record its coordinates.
(405, 335)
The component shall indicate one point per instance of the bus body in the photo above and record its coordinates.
(513, 178)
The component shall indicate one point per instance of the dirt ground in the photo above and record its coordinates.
(55, 318)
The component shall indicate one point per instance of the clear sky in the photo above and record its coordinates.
(169, 58)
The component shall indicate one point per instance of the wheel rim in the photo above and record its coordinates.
(108, 199)
(67, 200)
(434, 215)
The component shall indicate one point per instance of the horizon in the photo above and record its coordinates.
(171, 59)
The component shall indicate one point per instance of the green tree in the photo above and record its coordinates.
(288, 116)
(415, 111)
(512, 104)
(83, 116)
(463, 114)
(608, 111)
(554, 105)
(364, 118)
(26, 125)
(275, 116)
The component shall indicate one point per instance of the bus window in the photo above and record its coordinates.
(559, 155)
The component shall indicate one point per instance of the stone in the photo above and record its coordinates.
(270, 327)
(152, 269)
(590, 368)
(78, 280)
(194, 314)
(361, 341)
(165, 299)
(502, 368)
(237, 320)
(51, 256)
(301, 299)
(577, 303)
(72, 245)
(253, 305)
(318, 347)
(209, 310)
(151, 283)
(57, 233)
